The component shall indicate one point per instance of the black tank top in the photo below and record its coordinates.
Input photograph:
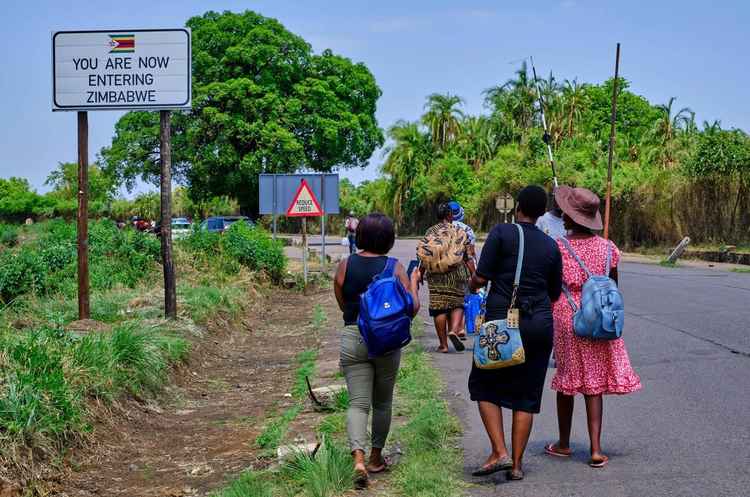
(359, 273)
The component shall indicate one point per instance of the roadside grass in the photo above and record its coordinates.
(329, 472)
(666, 263)
(306, 368)
(276, 429)
(740, 270)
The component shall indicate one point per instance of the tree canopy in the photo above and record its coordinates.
(262, 102)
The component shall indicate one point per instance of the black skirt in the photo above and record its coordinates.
(518, 387)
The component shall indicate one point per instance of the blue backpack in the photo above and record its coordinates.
(385, 312)
(602, 312)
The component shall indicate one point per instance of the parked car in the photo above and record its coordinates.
(218, 224)
(180, 228)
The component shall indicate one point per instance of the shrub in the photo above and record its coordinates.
(8, 235)
(253, 247)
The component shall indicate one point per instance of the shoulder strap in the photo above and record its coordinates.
(519, 265)
(607, 268)
(572, 252)
(390, 268)
(570, 298)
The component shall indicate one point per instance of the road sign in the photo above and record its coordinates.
(304, 204)
(147, 69)
(276, 191)
(504, 203)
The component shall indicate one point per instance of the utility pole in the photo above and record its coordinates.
(608, 199)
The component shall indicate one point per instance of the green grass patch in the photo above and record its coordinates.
(329, 473)
(740, 269)
(206, 301)
(666, 263)
(306, 368)
(431, 461)
(319, 316)
(275, 431)
(249, 484)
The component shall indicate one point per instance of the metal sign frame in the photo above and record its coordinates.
(187, 104)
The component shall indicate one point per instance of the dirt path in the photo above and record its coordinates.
(204, 430)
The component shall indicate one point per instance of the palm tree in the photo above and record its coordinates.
(478, 142)
(443, 117)
(666, 128)
(668, 125)
(407, 157)
(574, 101)
(515, 99)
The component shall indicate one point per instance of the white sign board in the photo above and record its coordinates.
(146, 69)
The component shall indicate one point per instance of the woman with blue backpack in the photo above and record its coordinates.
(378, 301)
(591, 357)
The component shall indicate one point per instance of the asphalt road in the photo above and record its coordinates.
(686, 433)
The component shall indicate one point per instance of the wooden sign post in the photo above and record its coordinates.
(170, 291)
(82, 216)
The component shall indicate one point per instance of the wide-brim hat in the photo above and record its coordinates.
(581, 205)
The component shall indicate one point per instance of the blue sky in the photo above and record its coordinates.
(695, 51)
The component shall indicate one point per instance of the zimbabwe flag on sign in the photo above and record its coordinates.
(122, 43)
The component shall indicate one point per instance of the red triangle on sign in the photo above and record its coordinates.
(304, 203)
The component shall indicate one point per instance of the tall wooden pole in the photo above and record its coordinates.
(170, 294)
(83, 216)
(608, 199)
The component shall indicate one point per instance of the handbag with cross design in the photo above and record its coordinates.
(498, 344)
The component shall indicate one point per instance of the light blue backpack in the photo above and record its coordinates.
(602, 312)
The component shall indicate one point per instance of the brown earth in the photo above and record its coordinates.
(203, 431)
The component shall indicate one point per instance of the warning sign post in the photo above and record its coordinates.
(304, 205)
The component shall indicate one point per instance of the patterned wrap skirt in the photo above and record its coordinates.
(447, 290)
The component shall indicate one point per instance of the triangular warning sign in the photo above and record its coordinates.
(304, 203)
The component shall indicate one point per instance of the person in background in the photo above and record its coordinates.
(589, 367)
(551, 223)
(519, 387)
(351, 224)
(370, 381)
(448, 290)
(471, 249)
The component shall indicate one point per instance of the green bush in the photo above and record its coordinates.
(47, 263)
(254, 248)
(251, 246)
(8, 235)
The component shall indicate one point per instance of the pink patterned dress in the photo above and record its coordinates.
(587, 366)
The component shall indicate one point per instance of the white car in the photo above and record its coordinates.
(181, 228)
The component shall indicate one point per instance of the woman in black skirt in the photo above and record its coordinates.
(518, 388)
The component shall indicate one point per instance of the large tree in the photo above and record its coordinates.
(262, 102)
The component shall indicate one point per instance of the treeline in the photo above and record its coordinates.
(673, 177)
(18, 201)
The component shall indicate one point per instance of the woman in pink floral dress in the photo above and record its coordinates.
(589, 367)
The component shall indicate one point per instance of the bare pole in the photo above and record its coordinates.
(83, 216)
(608, 198)
(546, 136)
(170, 293)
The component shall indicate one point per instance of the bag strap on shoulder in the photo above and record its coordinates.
(572, 252)
(389, 269)
(519, 265)
(607, 268)
(570, 298)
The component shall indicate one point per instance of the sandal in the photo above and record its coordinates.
(514, 475)
(501, 464)
(552, 450)
(598, 463)
(373, 470)
(456, 342)
(360, 480)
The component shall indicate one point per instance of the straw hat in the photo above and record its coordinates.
(581, 205)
